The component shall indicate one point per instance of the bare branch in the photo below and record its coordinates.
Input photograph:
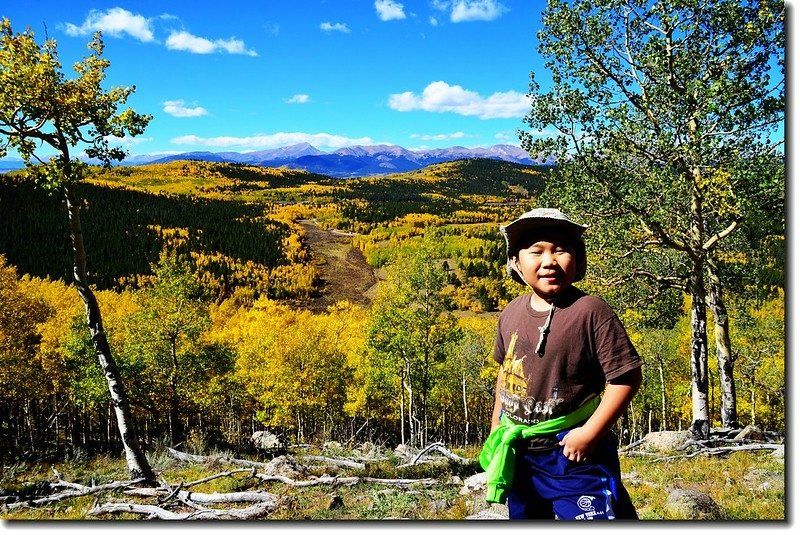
(344, 463)
(437, 446)
(78, 490)
(254, 511)
(348, 481)
(713, 240)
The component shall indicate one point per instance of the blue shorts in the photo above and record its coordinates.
(548, 486)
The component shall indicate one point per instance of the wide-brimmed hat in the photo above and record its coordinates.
(544, 218)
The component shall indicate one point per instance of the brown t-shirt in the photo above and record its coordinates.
(586, 346)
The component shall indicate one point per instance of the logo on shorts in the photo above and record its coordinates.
(585, 503)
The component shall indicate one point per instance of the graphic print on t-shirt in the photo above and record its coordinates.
(514, 393)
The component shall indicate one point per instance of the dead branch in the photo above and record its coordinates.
(172, 494)
(76, 490)
(437, 446)
(69, 484)
(347, 481)
(631, 446)
(202, 497)
(344, 463)
(720, 451)
(440, 447)
(201, 459)
(152, 511)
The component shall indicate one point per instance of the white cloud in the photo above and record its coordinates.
(433, 21)
(438, 137)
(298, 99)
(279, 139)
(335, 27)
(128, 141)
(389, 10)
(177, 108)
(183, 40)
(115, 22)
(442, 97)
(467, 10)
(471, 10)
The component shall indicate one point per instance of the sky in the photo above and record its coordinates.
(254, 75)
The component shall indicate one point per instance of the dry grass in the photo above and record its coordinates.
(746, 486)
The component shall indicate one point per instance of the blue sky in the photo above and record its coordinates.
(246, 75)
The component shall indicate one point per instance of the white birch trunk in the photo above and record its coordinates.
(136, 460)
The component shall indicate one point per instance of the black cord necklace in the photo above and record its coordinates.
(544, 330)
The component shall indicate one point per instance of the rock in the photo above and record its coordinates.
(494, 511)
(474, 493)
(264, 440)
(778, 453)
(692, 505)
(474, 483)
(666, 441)
(751, 432)
(284, 466)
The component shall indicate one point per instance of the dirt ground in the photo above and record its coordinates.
(342, 268)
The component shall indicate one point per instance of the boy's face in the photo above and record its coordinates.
(547, 263)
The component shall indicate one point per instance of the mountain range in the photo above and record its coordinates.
(354, 161)
(359, 160)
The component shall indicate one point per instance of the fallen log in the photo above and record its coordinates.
(344, 463)
(76, 491)
(202, 497)
(152, 511)
(724, 450)
(347, 481)
(201, 459)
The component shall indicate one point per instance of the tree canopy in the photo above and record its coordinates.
(662, 114)
(43, 110)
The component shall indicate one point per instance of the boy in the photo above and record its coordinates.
(550, 453)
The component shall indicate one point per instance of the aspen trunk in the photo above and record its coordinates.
(402, 409)
(725, 358)
(466, 407)
(699, 358)
(697, 290)
(136, 460)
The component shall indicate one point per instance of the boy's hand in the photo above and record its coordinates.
(578, 444)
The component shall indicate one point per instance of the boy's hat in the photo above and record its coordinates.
(540, 218)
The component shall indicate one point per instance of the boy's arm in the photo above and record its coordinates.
(498, 406)
(579, 442)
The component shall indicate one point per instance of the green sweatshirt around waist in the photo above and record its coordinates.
(498, 456)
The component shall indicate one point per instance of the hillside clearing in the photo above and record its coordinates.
(342, 268)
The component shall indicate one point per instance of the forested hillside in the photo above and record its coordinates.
(206, 280)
